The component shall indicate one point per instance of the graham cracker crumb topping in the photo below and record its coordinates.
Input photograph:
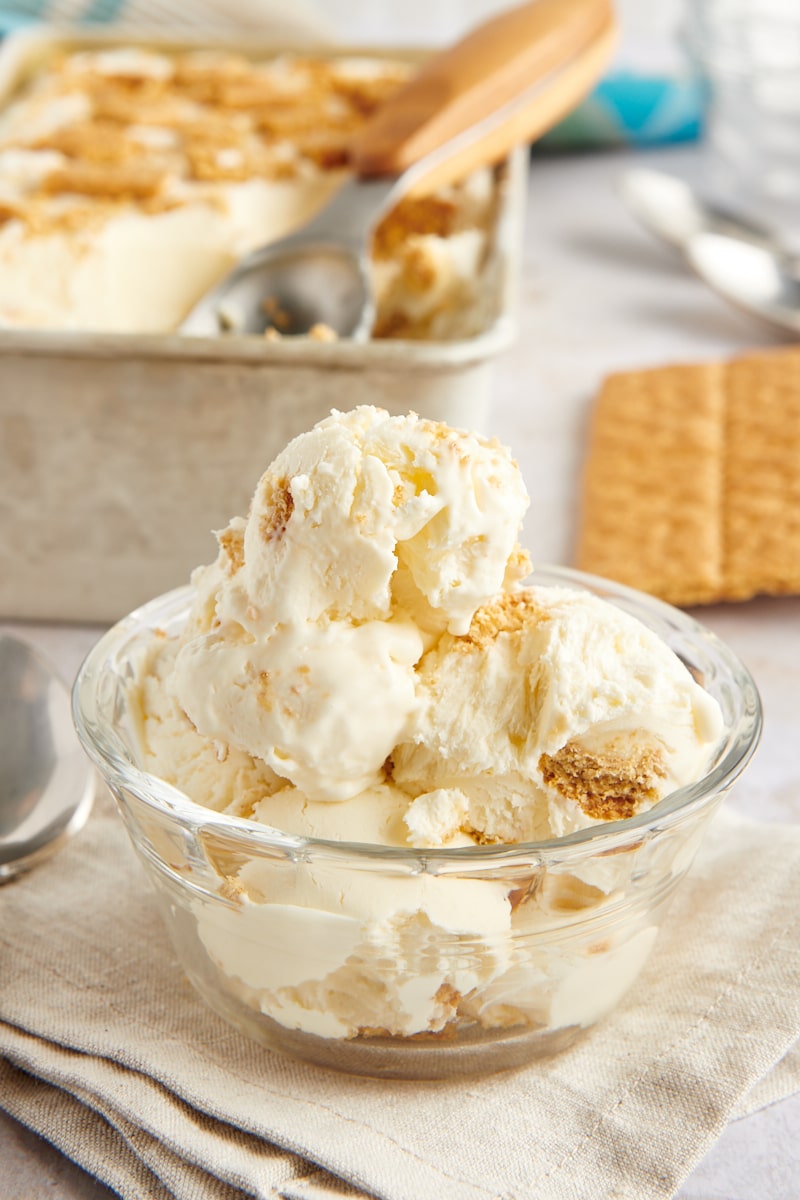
(206, 117)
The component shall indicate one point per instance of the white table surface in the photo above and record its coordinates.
(597, 295)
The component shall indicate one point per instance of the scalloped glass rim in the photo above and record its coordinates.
(105, 745)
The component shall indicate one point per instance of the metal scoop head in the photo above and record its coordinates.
(316, 278)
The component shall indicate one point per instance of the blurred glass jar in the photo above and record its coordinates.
(748, 52)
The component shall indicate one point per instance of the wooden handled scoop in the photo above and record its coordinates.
(503, 84)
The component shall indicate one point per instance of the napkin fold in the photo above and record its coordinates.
(106, 1051)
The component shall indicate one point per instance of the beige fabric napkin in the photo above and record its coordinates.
(778, 1084)
(106, 1051)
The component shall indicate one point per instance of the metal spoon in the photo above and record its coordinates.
(505, 83)
(757, 279)
(674, 212)
(47, 785)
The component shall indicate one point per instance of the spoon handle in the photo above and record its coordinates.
(506, 82)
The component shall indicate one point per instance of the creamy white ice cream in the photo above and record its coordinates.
(362, 664)
(366, 537)
(598, 719)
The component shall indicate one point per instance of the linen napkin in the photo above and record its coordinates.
(107, 1052)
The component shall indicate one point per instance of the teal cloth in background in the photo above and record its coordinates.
(630, 109)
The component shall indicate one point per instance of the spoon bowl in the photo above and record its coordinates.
(317, 277)
(673, 211)
(47, 784)
(760, 281)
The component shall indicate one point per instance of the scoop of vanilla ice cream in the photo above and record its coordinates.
(321, 705)
(213, 774)
(364, 498)
(366, 538)
(554, 711)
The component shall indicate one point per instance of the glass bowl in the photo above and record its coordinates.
(403, 962)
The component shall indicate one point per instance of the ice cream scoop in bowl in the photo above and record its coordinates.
(406, 814)
(400, 960)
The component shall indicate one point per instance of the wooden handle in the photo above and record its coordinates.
(536, 60)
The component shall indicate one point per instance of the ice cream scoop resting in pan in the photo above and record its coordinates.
(503, 84)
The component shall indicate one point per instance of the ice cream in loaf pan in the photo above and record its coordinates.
(131, 179)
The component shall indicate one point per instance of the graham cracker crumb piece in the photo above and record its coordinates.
(364, 96)
(608, 786)
(94, 141)
(518, 567)
(448, 995)
(8, 212)
(418, 269)
(278, 506)
(480, 836)
(600, 947)
(421, 215)
(40, 219)
(322, 333)
(509, 613)
(447, 1034)
(277, 316)
(394, 324)
(114, 182)
(231, 887)
(232, 544)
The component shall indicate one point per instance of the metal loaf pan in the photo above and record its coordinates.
(119, 454)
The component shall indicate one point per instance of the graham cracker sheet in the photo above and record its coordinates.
(691, 482)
